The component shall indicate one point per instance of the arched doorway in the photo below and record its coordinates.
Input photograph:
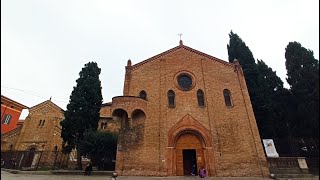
(189, 153)
(30, 157)
(185, 139)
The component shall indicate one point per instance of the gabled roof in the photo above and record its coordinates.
(45, 102)
(6, 99)
(181, 46)
(15, 130)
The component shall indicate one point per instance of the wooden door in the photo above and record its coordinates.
(189, 142)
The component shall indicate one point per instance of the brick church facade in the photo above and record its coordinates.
(182, 108)
(179, 108)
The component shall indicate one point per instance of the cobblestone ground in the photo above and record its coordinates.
(8, 176)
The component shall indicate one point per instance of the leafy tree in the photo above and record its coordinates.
(263, 86)
(83, 109)
(303, 78)
(100, 147)
(237, 49)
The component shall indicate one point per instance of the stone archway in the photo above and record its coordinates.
(189, 134)
(189, 151)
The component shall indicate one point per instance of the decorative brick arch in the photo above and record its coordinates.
(189, 125)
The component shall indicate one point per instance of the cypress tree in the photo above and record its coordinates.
(83, 109)
(263, 84)
(303, 78)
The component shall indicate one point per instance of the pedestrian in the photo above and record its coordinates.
(193, 170)
(2, 162)
(202, 172)
(88, 169)
(13, 163)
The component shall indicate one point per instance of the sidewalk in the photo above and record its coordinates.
(9, 174)
(76, 174)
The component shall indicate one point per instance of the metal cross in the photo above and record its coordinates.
(180, 35)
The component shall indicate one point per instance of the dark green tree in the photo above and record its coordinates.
(263, 85)
(271, 103)
(237, 49)
(101, 148)
(83, 109)
(303, 78)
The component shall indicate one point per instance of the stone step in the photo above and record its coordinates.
(290, 176)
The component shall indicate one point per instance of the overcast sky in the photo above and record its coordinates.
(45, 44)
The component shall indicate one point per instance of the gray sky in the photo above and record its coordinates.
(45, 44)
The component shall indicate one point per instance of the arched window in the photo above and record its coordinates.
(43, 122)
(40, 122)
(200, 97)
(227, 97)
(171, 100)
(143, 95)
(103, 125)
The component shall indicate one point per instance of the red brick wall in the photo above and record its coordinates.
(236, 149)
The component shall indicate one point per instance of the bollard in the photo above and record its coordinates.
(114, 176)
(272, 176)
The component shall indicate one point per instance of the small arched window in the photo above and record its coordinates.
(103, 125)
(43, 122)
(227, 97)
(40, 122)
(200, 98)
(143, 95)
(171, 100)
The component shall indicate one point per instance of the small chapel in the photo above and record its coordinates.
(184, 108)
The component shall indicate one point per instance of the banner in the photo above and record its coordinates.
(269, 148)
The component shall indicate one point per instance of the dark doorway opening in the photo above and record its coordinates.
(189, 162)
(30, 157)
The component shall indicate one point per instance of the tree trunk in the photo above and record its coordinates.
(79, 162)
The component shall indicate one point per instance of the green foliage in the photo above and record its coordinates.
(83, 109)
(264, 88)
(237, 49)
(98, 146)
(303, 77)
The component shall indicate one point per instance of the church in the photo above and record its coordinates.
(184, 108)
(180, 110)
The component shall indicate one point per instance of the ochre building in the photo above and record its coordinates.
(36, 142)
(182, 108)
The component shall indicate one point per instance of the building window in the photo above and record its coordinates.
(200, 98)
(185, 82)
(103, 125)
(6, 119)
(41, 123)
(143, 95)
(171, 100)
(227, 97)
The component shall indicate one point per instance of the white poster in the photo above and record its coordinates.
(270, 148)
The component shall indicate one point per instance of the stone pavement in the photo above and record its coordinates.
(9, 176)
(48, 176)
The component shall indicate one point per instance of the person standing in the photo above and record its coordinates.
(88, 169)
(202, 172)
